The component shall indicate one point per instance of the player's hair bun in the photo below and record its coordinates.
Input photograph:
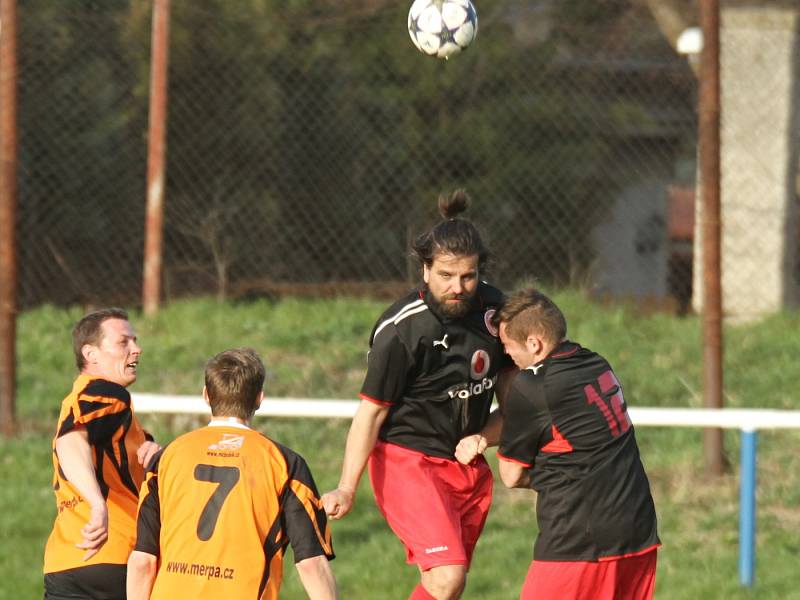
(453, 205)
(456, 236)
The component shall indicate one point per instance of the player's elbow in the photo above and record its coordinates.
(317, 578)
(511, 474)
(142, 563)
(508, 481)
(141, 574)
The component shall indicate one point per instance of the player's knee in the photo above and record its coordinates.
(445, 583)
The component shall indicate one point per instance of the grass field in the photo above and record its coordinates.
(317, 349)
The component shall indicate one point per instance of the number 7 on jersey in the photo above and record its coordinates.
(226, 477)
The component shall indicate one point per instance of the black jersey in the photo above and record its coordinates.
(436, 374)
(567, 419)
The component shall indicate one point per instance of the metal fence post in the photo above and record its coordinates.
(156, 142)
(8, 211)
(709, 158)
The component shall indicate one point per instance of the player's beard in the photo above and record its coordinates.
(452, 310)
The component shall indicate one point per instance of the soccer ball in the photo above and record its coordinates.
(442, 28)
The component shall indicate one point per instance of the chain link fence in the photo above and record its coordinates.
(308, 141)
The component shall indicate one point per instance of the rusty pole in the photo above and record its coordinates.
(154, 224)
(8, 209)
(709, 124)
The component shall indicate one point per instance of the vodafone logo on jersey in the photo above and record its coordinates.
(479, 365)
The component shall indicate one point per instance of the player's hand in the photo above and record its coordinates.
(146, 452)
(470, 447)
(95, 532)
(338, 502)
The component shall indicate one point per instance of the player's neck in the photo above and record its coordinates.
(229, 421)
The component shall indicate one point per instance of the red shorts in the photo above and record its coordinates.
(631, 578)
(436, 506)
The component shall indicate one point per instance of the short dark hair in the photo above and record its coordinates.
(89, 330)
(530, 311)
(453, 235)
(234, 380)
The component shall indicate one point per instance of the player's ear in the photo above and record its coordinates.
(89, 353)
(260, 399)
(205, 396)
(533, 344)
(426, 272)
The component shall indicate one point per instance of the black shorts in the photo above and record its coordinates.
(93, 582)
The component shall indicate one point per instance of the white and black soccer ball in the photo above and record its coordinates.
(442, 28)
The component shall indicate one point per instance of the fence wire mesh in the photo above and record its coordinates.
(307, 143)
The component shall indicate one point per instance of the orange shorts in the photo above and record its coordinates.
(436, 506)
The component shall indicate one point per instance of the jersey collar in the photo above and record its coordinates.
(223, 422)
(564, 349)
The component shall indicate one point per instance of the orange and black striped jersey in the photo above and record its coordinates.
(104, 410)
(218, 509)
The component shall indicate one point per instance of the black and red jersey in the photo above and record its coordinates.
(566, 420)
(436, 374)
(219, 507)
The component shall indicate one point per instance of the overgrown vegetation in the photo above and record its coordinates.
(317, 349)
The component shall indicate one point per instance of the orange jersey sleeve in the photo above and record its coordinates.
(219, 510)
(104, 410)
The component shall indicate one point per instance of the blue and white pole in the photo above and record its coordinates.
(747, 507)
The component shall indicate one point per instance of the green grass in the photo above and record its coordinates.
(318, 348)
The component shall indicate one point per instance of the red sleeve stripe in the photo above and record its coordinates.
(513, 460)
(375, 400)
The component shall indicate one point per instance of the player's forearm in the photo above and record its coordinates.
(75, 459)
(494, 426)
(141, 575)
(360, 441)
(317, 578)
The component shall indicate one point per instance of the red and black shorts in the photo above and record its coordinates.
(436, 506)
(627, 578)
